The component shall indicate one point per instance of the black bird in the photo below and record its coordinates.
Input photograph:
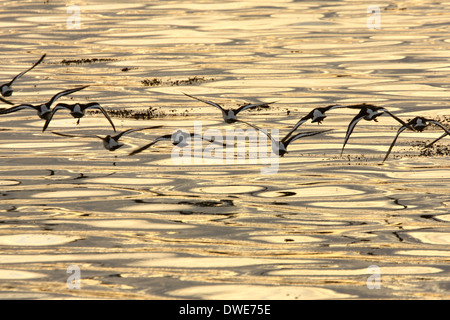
(418, 124)
(316, 115)
(43, 110)
(77, 111)
(369, 112)
(6, 89)
(229, 115)
(280, 147)
(178, 138)
(110, 143)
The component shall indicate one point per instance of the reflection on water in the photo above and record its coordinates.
(144, 227)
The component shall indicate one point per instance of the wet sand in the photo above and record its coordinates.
(146, 227)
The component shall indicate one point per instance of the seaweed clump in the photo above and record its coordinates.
(159, 82)
(88, 60)
(433, 150)
(145, 114)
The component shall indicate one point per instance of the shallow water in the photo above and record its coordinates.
(146, 227)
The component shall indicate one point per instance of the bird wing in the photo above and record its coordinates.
(403, 128)
(303, 134)
(136, 151)
(97, 106)
(333, 106)
(207, 102)
(252, 106)
(64, 93)
(259, 129)
(194, 135)
(275, 144)
(403, 123)
(76, 136)
(436, 140)
(117, 136)
(56, 108)
(22, 73)
(362, 106)
(6, 101)
(439, 125)
(298, 124)
(19, 107)
(351, 127)
(442, 136)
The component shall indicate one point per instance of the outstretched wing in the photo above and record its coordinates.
(165, 137)
(302, 135)
(19, 107)
(259, 129)
(275, 144)
(207, 102)
(403, 128)
(403, 123)
(333, 106)
(75, 136)
(22, 73)
(194, 135)
(351, 127)
(119, 135)
(64, 93)
(362, 106)
(252, 106)
(95, 105)
(436, 140)
(439, 125)
(298, 124)
(6, 101)
(442, 136)
(59, 106)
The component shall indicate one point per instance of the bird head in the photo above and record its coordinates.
(180, 138)
(6, 91)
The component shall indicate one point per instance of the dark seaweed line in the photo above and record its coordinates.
(158, 82)
(150, 113)
(87, 60)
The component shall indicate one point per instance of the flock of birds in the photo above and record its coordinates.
(77, 110)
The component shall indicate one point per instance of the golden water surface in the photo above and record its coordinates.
(147, 227)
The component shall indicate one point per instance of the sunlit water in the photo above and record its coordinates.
(146, 227)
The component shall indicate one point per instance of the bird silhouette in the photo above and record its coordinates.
(315, 115)
(77, 111)
(230, 115)
(6, 89)
(179, 138)
(43, 110)
(280, 147)
(369, 112)
(110, 143)
(418, 124)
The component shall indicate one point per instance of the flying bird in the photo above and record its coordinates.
(43, 110)
(280, 147)
(369, 112)
(77, 111)
(178, 138)
(418, 124)
(110, 143)
(6, 89)
(230, 115)
(315, 115)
